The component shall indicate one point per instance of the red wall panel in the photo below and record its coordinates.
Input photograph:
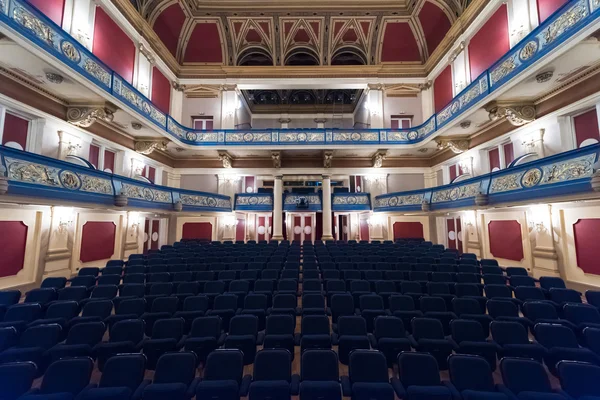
(509, 153)
(395, 50)
(435, 25)
(505, 240)
(240, 229)
(161, 91)
(586, 127)
(297, 229)
(459, 241)
(319, 226)
(154, 236)
(494, 158)
(442, 89)
(15, 130)
(113, 46)
(547, 7)
(53, 9)
(97, 241)
(490, 43)
(197, 230)
(109, 161)
(585, 232)
(94, 155)
(146, 235)
(364, 230)
(168, 26)
(452, 170)
(13, 242)
(408, 230)
(204, 44)
(450, 227)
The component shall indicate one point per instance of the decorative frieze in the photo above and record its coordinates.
(149, 146)
(85, 117)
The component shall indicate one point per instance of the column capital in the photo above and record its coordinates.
(278, 177)
(326, 176)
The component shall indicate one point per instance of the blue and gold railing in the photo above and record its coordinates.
(567, 173)
(31, 24)
(37, 176)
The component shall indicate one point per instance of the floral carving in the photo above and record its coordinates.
(506, 183)
(456, 193)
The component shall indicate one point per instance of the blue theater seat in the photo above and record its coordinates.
(502, 310)
(315, 333)
(582, 315)
(467, 308)
(544, 312)
(429, 336)
(55, 386)
(162, 308)
(319, 376)
(193, 307)
(351, 335)
(205, 336)
(526, 380)
(60, 312)
(272, 378)
(435, 307)
(403, 307)
(174, 378)
(80, 341)
(16, 379)
(367, 377)
(341, 305)
(513, 341)
(419, 378)
(579, 380)
(591, 338)
(32, 346)
(58, 282)
(243, 335)
(94, 311)
(166, 337)
(223, 376)
(471, 378)
(471, 339)
(390, 338)
(122, 379)
(313, 304)
(124, 337)
(279, 333)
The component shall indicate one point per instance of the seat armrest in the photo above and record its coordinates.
(372, 340)
(455, 394)
(191, 392)
(295, 385)
(398, 388)
(245, 385)
(221, 339)
(346, 386)
(137, 395)
(335, 339)
(260, 338)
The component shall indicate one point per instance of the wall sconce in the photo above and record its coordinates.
(375, 220)
(465, 166)
(230, 221)
(73, 148)
(137, 167)
(518, 34)
(65, 219)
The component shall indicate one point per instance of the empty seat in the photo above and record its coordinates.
(561, 344)
(341, 305)
(174, 378)
(94, 311)
(204, 337)
(225, 307)
(243, 335)
(352, 335)
(513, 341)
(515, 271)
(223, 376)
(390, 338)
(80, 341)
(429, 336)
(60, 312)
(58, 282)
(367, 377)
(549, 282)
(582, 315)
(500, 292)
(593, 297)
(122, 379)
(279, 333)
(16, 379)
(472, 377)
(285, 304)
(435, 307)
(544, 312)
(468, 308)
(166, 337)
(128, 309)
(525, 380)
(502, 310)
(315, 333)
(272, 378)
(162, 308)
(193, 307)
(371, 307)
(125, 337)
(41, 296)
(32, 346)
(55, 386)
(419, 378)
(591, 338)
(471, 339)
(564, 296)
(579, 380)
(319, 375)
(403, 307)
(313, 304)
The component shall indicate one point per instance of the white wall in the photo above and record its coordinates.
(203, 183)
(405, 182)
(200, 107)
(402, 105)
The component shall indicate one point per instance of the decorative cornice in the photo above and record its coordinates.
(225, 159)
(517, 114)
(86, 116)
(327, 159)
(457, 146)
(148, 146)
(276, 157)
(378, 158)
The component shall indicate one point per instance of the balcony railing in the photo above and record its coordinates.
(254, 202)
(558, 175)
(31, 24)
(37, 176)
(350, 202)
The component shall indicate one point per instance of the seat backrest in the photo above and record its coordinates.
(42, 296)
(371, 302)
(549, 282)
(62, 309)
(165, 304)
(287, 284)
(89, 333)
(255, 302)
(273, 365)
(579, 379)
(9, 297)
(196, 303)
(206, 327)
(44, 336)
(410, 287)
(313, 301)
(97, 308)
(188, 288)
(214, 287)
(239, 286)
(175, 368)
(224, 364)
(528, 293)
(315, 325)
(427, 328)
(466, 330)
(466, 306)
(280, 325)
(470, 372)
(581, 313)
(129, 330)
(79, 371)
(124, 370)
(418, 369)
(401, 303)
(389, 327)
(385, 287)
(16, 378)
(367, 366)
(516, 271)
(493, 291)
(169, 328)
(508, 332)
(285, 301)
(565, 295)
(536, 310)
(226, 301)
(435, 288)
(264, 285)
(360, 286)
(131, 306)
(521, 375)
(352, 325)
(502, 308)
(432, 304)
(319, 365)
(313, 285)
(463, 277)
(133, 289)
(244, 325)
(519, 280)
(553, 335)
(57, 282)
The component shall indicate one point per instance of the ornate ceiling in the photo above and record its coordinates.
(302, 100)
(284, 33)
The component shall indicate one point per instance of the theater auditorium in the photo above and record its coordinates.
(307, 200)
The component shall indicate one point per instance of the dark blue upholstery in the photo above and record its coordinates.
(503, 310)
(390, 338)
(204, 337)
(582, 315)
(32, 346)
(80, 341)
(468, 308)
(55, 386)
(279, 333)
(352, 332)
(166, 335)
(429, 336)
(223, 376)
(162, 308)
(435, 307)
(472, 377)
(193, 307)
(243, 335)
(94, 311)
(315, 333)
(579, 380)
(368, 376)
(471, 339)
(419, 378)
(125, 337)
(513, 341)
(544, 312)
(122, 379)
(526, 379)
(403, 307)
(272, 377)
(174, 378)
(319, 375)
(16, 379)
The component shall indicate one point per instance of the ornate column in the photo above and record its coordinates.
(375, 105)
(277, 208)
(327, 232)
(229, 104)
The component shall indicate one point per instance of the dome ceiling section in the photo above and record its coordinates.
(302, 100)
